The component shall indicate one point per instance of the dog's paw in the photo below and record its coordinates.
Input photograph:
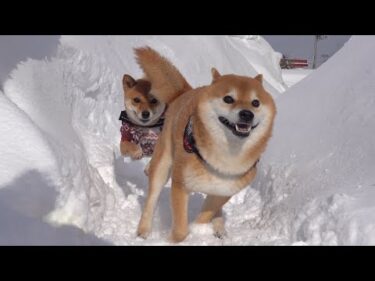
(143, 231)
(147, 168)
(123, 149)
(136, 155)
(178, 236)
(221, 234)
(219, 228)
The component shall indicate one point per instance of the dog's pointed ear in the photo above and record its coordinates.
(259, 77)
(128, 82)
(215, 74)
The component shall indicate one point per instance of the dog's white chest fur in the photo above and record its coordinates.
(210, 183)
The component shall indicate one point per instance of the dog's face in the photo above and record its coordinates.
(239, 105)
(142, 107)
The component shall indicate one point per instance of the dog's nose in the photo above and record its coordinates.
(145, 114)
(246, 115)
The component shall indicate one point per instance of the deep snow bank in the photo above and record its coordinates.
(29, 184)
(69, 107)
(318, 183)
(21, 143)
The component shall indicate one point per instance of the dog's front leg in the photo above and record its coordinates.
(147, 169)
(159, 170)
(131, 149)
(212, 211)
(218, 224)
(180, 199)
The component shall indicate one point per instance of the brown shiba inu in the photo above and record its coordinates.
(212, 138)
(142, 120)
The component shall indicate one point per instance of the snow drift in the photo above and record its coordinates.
(318, 182)
(60, 132)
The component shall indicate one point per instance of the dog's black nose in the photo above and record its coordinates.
(145, 114)
(246, 115)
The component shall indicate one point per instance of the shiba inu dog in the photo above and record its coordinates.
(212, 139)
(142, 119)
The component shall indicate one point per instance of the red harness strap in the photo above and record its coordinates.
(189, 141)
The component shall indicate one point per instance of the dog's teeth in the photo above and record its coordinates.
(242, 130)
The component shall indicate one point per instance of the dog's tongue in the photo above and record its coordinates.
(243, 127)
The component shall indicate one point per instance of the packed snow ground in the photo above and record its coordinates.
(63, 175)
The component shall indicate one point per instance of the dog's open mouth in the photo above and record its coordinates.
(240, 129)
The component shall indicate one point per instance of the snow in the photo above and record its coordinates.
(320, 162)
(294, 76)
(14, 48)
(20, 137)
(193, 55)
(63, 180)
(28, 182)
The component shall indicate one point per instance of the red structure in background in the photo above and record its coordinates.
(286, 63)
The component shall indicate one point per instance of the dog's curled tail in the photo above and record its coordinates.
(167, 82)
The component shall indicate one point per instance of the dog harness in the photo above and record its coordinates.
(189, 140)
(145, 136)
(190, 144)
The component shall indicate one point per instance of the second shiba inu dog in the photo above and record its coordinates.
(212, 138)
(142, 120)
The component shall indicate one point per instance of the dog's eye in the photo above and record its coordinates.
(255, 103)
(136, 100)
(228, 99)
(153, 101)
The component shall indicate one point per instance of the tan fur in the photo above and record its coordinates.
(215, 74)
(230, 161)
(167, 81)
(211, 206)
(218, 224)
(131, 149)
